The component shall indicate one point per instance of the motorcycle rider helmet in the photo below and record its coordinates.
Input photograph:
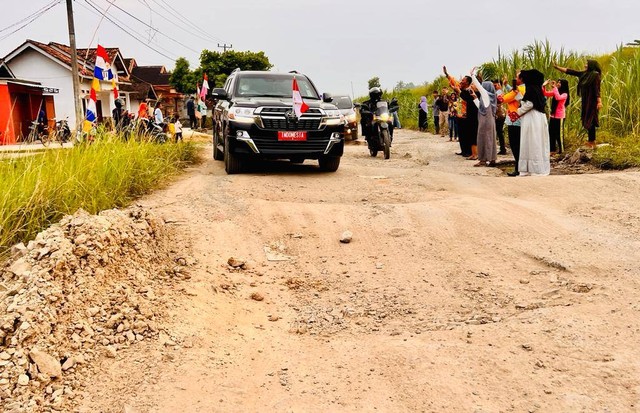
(375, 94)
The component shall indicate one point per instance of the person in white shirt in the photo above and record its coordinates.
(157, 114)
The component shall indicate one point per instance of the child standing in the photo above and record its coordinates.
(178, 127)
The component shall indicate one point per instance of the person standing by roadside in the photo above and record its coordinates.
(465, 123)
(191, 112)
(453, 116)
(423, 113)
(589, 90)
(559, 95)
(435, 110)
(486, 103)
(143, 110)
(443, 111)
(178, 128)
(468, 95)
(202, 108)
(157, 115)
(512, 99)
(117, 113)
(501, 116)
(534, 141)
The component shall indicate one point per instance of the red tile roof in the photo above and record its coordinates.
(86, 57)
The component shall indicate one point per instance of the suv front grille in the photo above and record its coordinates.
(275, 118)
(272, 123)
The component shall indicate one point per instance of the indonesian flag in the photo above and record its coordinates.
(92, 110)
(205, 87)
(298, 104)
(102, 69)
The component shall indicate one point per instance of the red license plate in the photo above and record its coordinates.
(292, 136)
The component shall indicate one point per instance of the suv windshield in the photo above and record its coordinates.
(270, 85)
(343, 102)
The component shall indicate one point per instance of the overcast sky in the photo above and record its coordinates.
(339, 42)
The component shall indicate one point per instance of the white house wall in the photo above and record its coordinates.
(32, 65)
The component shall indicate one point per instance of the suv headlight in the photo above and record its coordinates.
(242, 115)
(351, 117)
(333, 117)
(332, 113)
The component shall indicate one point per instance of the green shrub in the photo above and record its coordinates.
(38, 190)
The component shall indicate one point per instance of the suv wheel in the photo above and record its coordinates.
(329, 163)
(232, 165)
(217, 154)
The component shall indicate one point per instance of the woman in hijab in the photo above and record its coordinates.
(589, 90)
(487, 105)
(559, 95)
(534, 138)
(422, 114)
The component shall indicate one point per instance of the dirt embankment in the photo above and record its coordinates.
(85, 289)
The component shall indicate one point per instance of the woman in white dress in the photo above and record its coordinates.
(534, 140)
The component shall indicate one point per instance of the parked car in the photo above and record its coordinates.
(346, 108)
(254, 119)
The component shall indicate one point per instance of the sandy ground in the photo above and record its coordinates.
(463, 290)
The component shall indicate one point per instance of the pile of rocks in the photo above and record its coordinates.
(85, 288)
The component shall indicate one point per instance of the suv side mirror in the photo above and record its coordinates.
(220, 94)
(327, 98)
(357, 105)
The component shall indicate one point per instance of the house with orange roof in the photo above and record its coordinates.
(51, 64)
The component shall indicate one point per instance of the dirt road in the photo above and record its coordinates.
(463, 290)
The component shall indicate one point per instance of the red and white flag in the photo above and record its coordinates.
(298, 104)
(205, 87)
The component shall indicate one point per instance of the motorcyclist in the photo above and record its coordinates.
(366, 116)
(118, 115)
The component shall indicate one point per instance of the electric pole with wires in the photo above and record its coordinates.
(74, 67)
(225, 46)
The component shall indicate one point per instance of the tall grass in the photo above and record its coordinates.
(38, 190)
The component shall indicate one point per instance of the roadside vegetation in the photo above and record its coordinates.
(619, 118)
(38, 190)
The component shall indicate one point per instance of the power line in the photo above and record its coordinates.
(37, 12)
(29, 19)
(152, 28)
(127, 32)
(185, 20)
(209, 38)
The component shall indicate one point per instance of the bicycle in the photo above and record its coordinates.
(62, 133)
(37, 132)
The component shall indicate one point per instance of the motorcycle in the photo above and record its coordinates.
(381, 128)
(63, 132)
(154, 131)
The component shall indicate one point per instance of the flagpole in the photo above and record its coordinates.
(75, 75)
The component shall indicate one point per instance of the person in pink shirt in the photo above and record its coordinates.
(559, 95)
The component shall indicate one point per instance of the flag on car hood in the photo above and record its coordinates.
(102, 69)
(298, 104)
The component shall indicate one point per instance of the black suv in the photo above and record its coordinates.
(254, 118)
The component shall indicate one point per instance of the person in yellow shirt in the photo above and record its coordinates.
(512, 99)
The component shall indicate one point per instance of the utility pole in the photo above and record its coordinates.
(225, 46)
(75, 75)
